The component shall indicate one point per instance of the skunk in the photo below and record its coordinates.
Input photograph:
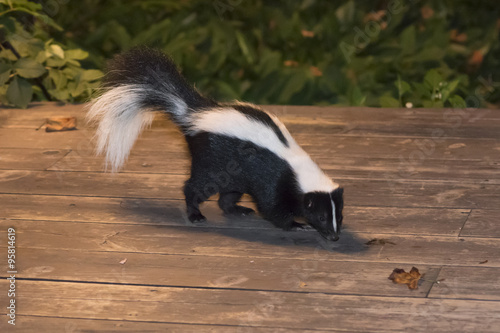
(235, 148)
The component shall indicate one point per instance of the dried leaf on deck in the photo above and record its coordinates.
(379, 241)
(123, 261)
(58, 124)
(410, 279)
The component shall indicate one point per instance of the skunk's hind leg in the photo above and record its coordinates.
(197, 191)
(227, 202)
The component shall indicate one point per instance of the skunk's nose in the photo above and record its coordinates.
(334, 237)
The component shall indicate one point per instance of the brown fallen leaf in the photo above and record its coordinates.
(58, 124)
(410, 279)
(483, 262)
(307, 34)
(379, 241)
(302, 284)
(290, 63)
(315, 71)
(123, 261)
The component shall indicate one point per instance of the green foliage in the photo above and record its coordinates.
(433, 92)
(427, 53)
(33, 66)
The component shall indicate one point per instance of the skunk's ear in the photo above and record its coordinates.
(308, 201)
(338, 196)
(338, 192)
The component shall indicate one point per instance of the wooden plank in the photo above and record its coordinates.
(31, 138)
(34, 117)
(468, 283)
(358, 192)
(36, 324)
(390, 220)
(275, 274)
(355, 120)
(30, 159)
(140, 161)
(255, 243)
(145, 161)
(247, 308)
(483, 223)
(410, 150)
(369, 114)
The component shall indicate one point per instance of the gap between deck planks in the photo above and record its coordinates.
(37, 324)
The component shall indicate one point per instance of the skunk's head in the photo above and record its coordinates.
(323, 211)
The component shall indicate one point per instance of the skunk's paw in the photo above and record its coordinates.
(240, 211)
(197, 218)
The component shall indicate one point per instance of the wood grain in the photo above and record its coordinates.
(219, 272)
(468, 283)
(254, 243)
(483, 223)
(422, 188)
(143, 161)
(248, 308)
(360, 192)
(30, 159)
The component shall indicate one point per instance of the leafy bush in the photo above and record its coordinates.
(33, 64)
(378, 53)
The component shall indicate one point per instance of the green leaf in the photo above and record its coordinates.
(5, 71)
(449, 88)
(388, 102)
(7, 54)
(55, 62)
(19, 92)
(57, 50)
(457, 102)
(293, 84)
(402, 86)
(356, 98)
(58, 77)
(433, 78)
(408, 37)
(433, 104)
(244, 46)
(60, 94)
(76, 54)
(29, 68)
(91, 75)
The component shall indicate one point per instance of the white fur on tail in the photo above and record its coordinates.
(230, 122)
(120, 120)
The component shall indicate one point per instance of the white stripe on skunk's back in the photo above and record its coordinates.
(232, 123)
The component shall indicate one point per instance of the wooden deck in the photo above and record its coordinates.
(425, 182)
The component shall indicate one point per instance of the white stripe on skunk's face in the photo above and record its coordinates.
(334, 219)
(233, 123)
(320, 213)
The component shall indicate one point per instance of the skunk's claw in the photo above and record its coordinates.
(296, 226)
(197, 218)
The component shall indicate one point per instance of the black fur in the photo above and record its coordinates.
(222, 164)
(157, 72)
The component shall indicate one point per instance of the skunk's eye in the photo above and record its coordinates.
(322, 219)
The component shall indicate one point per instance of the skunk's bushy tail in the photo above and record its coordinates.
(138, 83)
